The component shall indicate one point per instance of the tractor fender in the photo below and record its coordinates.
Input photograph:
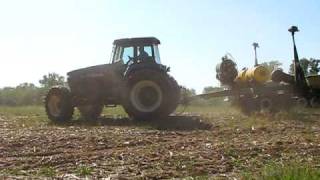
(141, 66)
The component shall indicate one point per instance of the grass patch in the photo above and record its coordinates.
(14, 172)
(299, 115)
(114, 112)
(210, 109)
(84, 170)
(22, 110)
(36, 115)
(202, 177)
(24, 115)
(47, 172)
(291, 171)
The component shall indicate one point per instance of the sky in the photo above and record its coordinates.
(42, 36)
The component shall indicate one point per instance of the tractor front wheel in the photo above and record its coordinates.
(58, 104)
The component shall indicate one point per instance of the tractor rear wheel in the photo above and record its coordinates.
(151, 94)
(58, 104)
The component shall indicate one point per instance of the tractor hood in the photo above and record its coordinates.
(93, 71)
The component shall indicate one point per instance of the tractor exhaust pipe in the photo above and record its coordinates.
(299, 77)
(255, 46)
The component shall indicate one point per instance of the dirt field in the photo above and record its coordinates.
(208, 143)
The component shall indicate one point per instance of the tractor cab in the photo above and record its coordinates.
(135, 50)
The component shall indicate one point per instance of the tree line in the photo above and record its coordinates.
(28, 93)
(309, 66)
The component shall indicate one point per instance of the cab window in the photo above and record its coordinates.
(117, 54)
(121, 54)
(147, 49)
(127, 52)
(156, 54)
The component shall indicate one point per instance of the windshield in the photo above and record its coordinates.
(127, 53)
(122, 54)
(139, 53)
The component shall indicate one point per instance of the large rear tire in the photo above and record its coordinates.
(150, 95)
(91, 112)
(58, 104)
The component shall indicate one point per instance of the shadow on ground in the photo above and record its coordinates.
(182, 123)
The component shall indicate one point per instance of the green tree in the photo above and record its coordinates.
(309, 66)
(304, 63)
(26, 86)
(52, 79)
(314, 66)
(27, 94)
(188, 92)
(291, 69)
(272, 65)
(7, 96)
(23, 94)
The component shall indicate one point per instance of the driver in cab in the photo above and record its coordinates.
(143, 55)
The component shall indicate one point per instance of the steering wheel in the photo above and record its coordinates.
(131, 59)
